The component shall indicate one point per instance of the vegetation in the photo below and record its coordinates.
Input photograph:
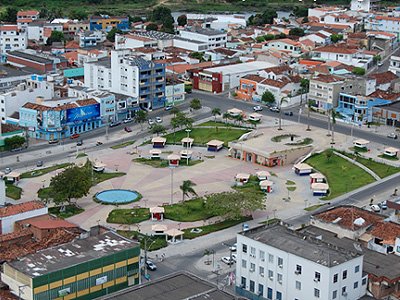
(128, 216)
(252, 186)
(188, 211)
(296, 31)
(195, 104)
(281, 137)
(213, 228)
(268, 98)
(182, 20)
(65, 211)
(122, 145)
(158, 129)
(358, 71)
(151, 243)
(100, 177)
(290, 182)
(162, 16)
(162, 163)
(342, 175)
(336, 38)
(313, 207)
(9, 15)
(187, 189)
(141, 116)
(388, 157)
(40, 172)
(55, 37)
(13, 191)
(303, 142)
(111, 34)
(219, 124)
(14, 142)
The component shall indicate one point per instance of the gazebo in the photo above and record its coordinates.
(242, 178)
(175, 235)
(186, 154)
(234, 112)
(263, 175)
(187, 142)
(317, 177)
(391, 151)
(256, 117)
(155, 153)
(158, 142)
(266, 185)
(361, 144)
(13, 177)
(159, 229)
(173, 160)
(215, 145)
(98, 166)
(320, 188)
(157, 213)
(302, 169)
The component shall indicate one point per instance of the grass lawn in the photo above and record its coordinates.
(153, 243)
(220, 124)
(128, 216)
(380, 169)
(313, 207)
(188, 211)
(100, 177)
(291, 188)
(13, 192)
(271, 221)
(279, 138)
(70, 210)
(357, 149)
(214, 227)
(122, 145)
(252, 186)
(342, 175)
(163, 163)
(290, 182)
(44, 193)
(202, 136)
(43, 171)
(303, 142)
(81, 155)
(384, 156)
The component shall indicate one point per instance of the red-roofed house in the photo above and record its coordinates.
(385, 80)
(13, 213)
(28, 14)
(286, 45)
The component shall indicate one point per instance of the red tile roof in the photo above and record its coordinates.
(385, 18)
(385, 77)
(86, 102)
(20, 208)
(385, 95)
(279, 69)
(9, 28)
(255, 78)
(51, 224)
(72, 45)
(25, 13)
(328, 78)
(387, 231)
(340, 48)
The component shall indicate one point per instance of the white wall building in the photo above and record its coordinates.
(219, 22)
(385, 24)
(213, 38)
(394, 65)
(12, 38)
(360, 5)
(277, 263)
(15, 97)
(40, 32)
(14, 213)
(192, 45)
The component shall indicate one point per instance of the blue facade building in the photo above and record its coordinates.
(109, 22)
(56, 123)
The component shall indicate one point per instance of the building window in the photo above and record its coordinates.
(244, 264)
(278, 295)
(244, 248)
(252, 267)
(270, 258)
(260, 289)
(344, 290)
(298, 285)
(335, 278)
(316, 293)
(252, 286)
(253, 251)
(280, 278)
(243, 282)
(261, 271)
(280, 261)
(344, 274)
(317, 276)
(364, 281)
(262, 255)
(357, 269)
(298, 269)
(270, 274)
(269, 293)
(334, 295)
(355, 284)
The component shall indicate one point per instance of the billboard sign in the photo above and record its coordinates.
(83, 113)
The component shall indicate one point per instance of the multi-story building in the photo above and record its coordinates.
(174, 91)
(324, 91)
(13, 97)
(35, 60)
(388, 114)
(274, 262)
(40, 31)
(129, 75)
(28, 14)
(394, 65)
(211, 38)
(89, 267)
(286, 45)
(360, 5)
(384, 23)
(12, 38)
(108, 22)
(90, 38)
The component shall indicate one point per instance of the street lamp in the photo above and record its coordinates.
(187, 146)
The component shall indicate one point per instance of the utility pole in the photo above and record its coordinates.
(187, 146)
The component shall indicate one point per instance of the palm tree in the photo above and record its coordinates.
(328, 113)
(308, 115)
(216, 112)
(283, 100)
(334, 115)
(187, 189)
(239, 119)
(157, 129)
(226, 116)
(141, 116)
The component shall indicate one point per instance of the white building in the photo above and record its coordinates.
(385, 24)
(213, 38)
(12, 38)
(192, 45)
(138, 39)
(286, 45)
(91, 38)
(360, 5)
(14, 213)
(174, 91)
(16, 96)
(219, 22)
(280, 264)
(40, 31)
(394, 65)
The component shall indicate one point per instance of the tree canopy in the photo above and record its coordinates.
(195, 104)
(358, 71)
(14, 142)
(152, 27)
(162, 15)
(55, 37)
(78, 14)
(9, 15)
(296, 31)
(111, 34)
(268, 97)
(182, 20)
(336, 38)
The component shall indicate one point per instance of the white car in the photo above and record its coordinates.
(128, 120)
(233, 247)
(158, 120)
(227, 260)
(151, 122)
(257, 108)
(234, 257)
(375, 208)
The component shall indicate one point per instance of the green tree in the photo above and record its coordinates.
(328, 154)
(280, 36)
(162, 15)
(197, 55)
(195, 104)
(216, 111)
(9, 15)
(305, 20)
(269, 15)
(134, 19)
(226, 116)
(157, 129)
(14, 142)
(111, 34)
(377, 58)
(72, 183)
(269, 37)
(296, 31)
(358, 71)
(78, 14)
(336, 38)
(268, 97)
(187, 189)
(152, 27)
(182, 20)
(283, 100)
(55, 37)
(260, 39)
(174, 110)
(232, 205)
(300, 11)
(141, 116)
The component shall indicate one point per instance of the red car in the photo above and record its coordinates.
(75, 136)
(128, 129)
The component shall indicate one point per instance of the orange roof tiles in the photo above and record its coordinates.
(328, 78)
(387, 231)
(72, 45)
(384, 77)
(26, 13)
(9, 28)
(385, 95)
(340, 48)
(20, 208)
(51, 224)
(182, 68)
(86, 102)
(395, 19)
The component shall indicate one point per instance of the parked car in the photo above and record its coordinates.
(274, 109)
(75, 136)
(168, 107)
(7, 170)
(233, 247)
(79, 143)
(288, 113)
(98, 143)
(257, 108)
(113, 124)
(392, 135)
(127, 129)
(39, 163)
(158, 120)
(151, 122)
(380, 64)
(228, 260)
(383, 205)
(375, 208)
(128, 120)
(150, 265)
(234, 257)
(53, 142)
